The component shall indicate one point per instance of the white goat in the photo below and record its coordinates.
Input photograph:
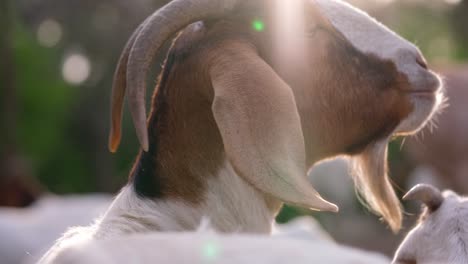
(241, 112)
(29, 232)
(301, 241)
(441, 235)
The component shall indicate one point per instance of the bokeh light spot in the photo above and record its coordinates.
(453, 2)
(49, 33)
(76, 69)
(258, 25)
(210, 251)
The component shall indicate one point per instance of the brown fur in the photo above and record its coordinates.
(182, 132)
(347, 100)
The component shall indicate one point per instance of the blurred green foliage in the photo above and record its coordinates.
(45, 100)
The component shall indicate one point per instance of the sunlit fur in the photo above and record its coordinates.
(440, 236)
(130, 214)
(233, 130)
(302, 242)
(371, 37)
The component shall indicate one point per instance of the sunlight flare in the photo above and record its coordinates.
(290, 31)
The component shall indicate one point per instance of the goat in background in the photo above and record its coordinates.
(440, 235)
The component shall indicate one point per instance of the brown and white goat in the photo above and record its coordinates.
(240, 113)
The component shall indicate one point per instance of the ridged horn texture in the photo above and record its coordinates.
(143, 47)
(119, 87)
(428, 194)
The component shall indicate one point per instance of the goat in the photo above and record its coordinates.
(240, 112)
(441, 235)
(292, 243)
(28, 232)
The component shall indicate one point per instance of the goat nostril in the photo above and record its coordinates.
(421, 62)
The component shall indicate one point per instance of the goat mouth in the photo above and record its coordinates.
(424, 93)
(428, 85)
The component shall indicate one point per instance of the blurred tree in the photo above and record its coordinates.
(71, 120)
(7, 73)
(16, 186)
(459, 19)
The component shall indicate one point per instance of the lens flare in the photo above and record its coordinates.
(258, 25)
(290, 43)
(210, 251)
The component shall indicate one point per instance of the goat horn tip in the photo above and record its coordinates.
(145, 146)
(114, 143)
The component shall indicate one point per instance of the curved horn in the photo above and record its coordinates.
(119, 86)
(159, 27)
(428, 194)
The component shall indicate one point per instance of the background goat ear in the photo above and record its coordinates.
(258, 120)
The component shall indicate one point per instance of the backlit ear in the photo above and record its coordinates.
(258, 120)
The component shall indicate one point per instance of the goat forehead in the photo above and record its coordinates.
(364, 32)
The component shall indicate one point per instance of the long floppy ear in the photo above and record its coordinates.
(256, 114)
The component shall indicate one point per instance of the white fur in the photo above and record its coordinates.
(442, 237)
(28, 232)
(209, 247)
(234, 205)
(230, 204)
